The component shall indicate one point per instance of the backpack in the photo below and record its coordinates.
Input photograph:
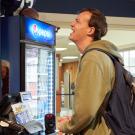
(118, 107)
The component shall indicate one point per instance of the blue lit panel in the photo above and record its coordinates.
(39, 31)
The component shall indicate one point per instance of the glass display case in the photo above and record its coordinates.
(39, 80)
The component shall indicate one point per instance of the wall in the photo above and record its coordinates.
(63, 67)
(72, 68)
(58, 80)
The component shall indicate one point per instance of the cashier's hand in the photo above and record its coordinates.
(61, 122)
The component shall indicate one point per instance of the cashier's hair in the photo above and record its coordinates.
(30, 12)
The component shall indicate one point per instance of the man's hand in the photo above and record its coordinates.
(62, 121)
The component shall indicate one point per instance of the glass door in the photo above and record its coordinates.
(39, 80)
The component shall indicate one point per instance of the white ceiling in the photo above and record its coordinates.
(121, 32)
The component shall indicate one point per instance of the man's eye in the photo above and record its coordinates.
(77, 21)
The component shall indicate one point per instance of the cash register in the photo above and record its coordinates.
(23, 116)
(49, 118)
(21, 120)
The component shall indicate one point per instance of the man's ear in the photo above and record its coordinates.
(91, 31)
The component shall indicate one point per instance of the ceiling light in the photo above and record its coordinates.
(60, 49)
(71, 43)
(61, 60)
(70, 57)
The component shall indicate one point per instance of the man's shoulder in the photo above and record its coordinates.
(96, 56)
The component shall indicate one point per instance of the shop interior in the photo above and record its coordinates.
(121, 31)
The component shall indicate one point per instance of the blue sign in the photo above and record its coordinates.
(39, 31)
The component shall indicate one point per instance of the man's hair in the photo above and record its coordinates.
(98, 21)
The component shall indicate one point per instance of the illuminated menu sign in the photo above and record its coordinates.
(39, 31)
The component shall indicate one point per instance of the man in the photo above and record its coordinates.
(95, 77)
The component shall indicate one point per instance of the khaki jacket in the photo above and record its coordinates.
(95, 78)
